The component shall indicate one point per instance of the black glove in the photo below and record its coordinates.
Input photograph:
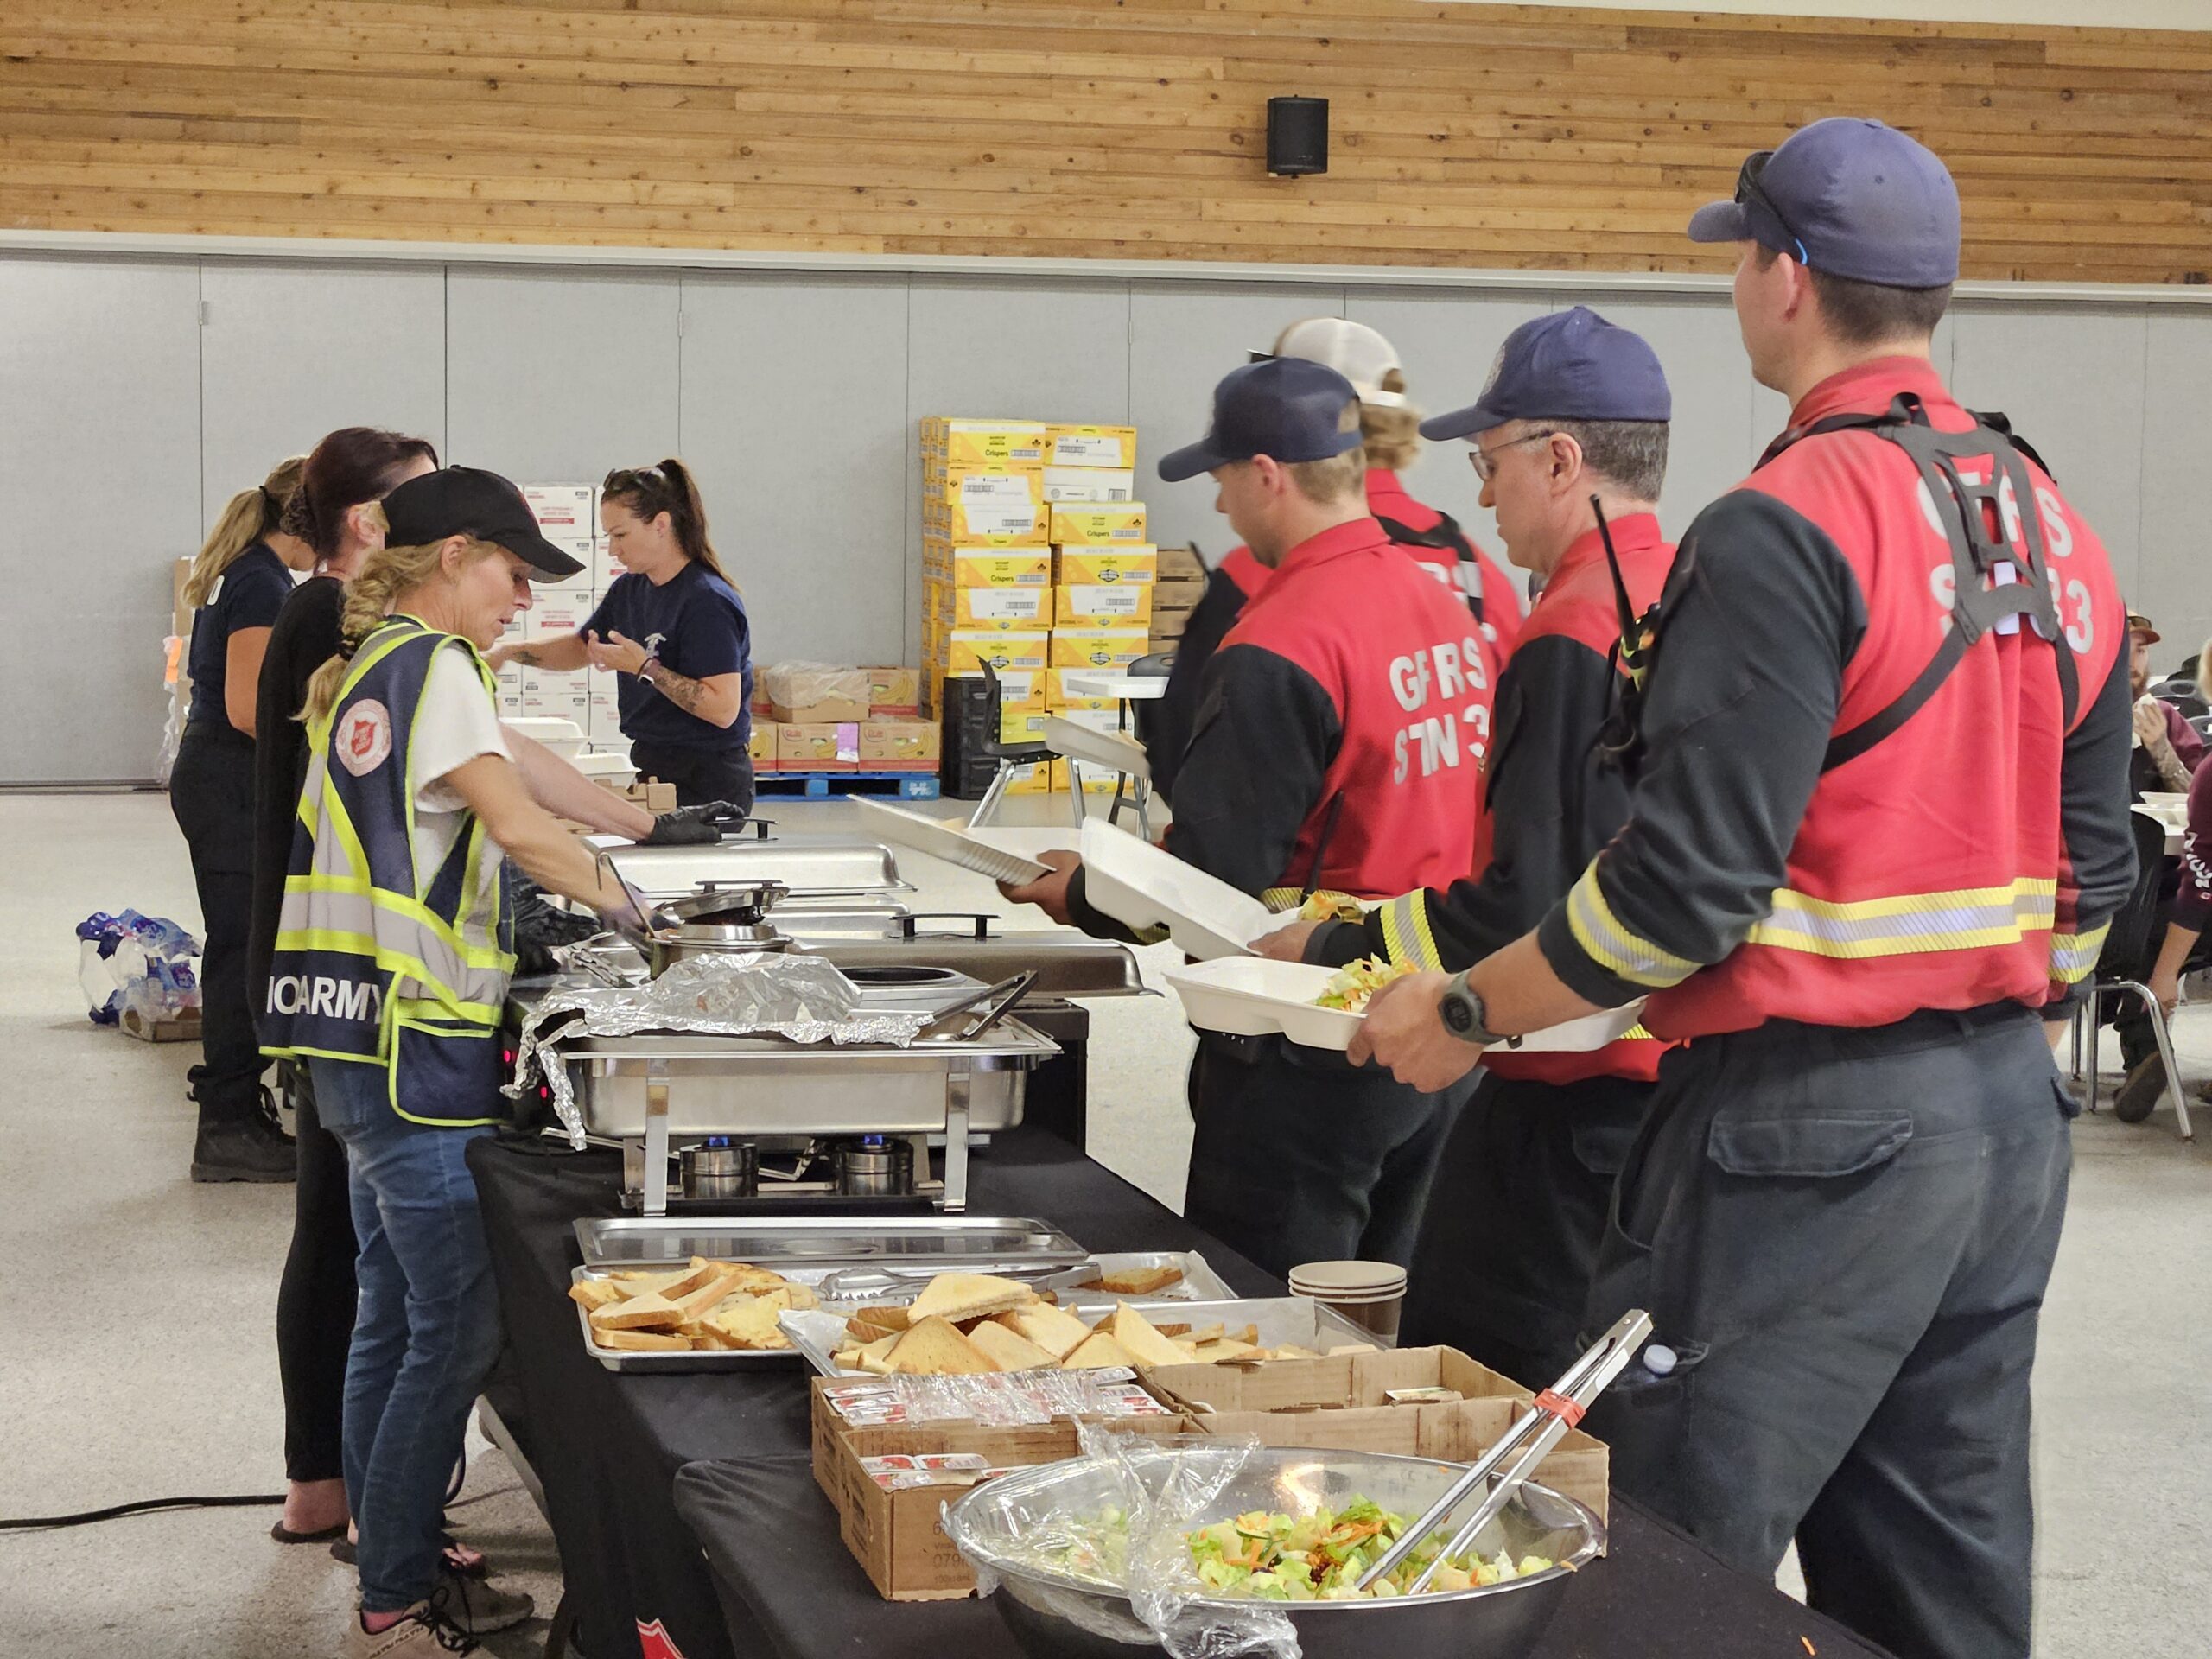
(693, 826)
(539, 928)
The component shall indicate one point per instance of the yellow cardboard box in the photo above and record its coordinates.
(1019, 688)
(1103, 486)
(763, 745)
(1098, 649)
(1099, 566)
(1057, 699)
(956, 438)
(1118, 604)
(1089, 524)
(987, 567)
(819, 745)
(1090, 445)
(986, 503)
(900, 745)
(964, 650)
(1002, 609)
(1023, 725)
(894, 693)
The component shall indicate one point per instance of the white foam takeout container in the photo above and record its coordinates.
(1256, 996)
(1140, 886)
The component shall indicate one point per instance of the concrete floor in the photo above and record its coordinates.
(136, 1313)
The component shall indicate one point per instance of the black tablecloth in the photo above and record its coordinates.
(608, 1447)
(778, 1565)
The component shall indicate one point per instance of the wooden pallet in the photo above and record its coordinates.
(822, 786)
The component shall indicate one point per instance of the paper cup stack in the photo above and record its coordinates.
(1370, 1294)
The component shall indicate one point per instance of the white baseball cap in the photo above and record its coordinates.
(1352, 349)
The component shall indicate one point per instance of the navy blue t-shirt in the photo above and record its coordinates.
(248, 595)
(694, 622)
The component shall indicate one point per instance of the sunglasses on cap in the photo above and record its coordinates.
(1749, 192)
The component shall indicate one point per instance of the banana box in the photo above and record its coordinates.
(1119, 604)
(959, 566)
(1003, 608)
(1090, 445)
(1099, 649)
(1101, 566)
(1089, 525)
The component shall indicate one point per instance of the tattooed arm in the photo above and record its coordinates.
(719, 699)
(561, 655)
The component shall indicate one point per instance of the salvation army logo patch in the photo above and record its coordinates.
(364, 737)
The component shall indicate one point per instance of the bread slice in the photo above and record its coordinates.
(752, 1321)
(697, 1302)
(957, 1296)
(1055, 1330)
(701, 1272)
(1140, 1281)
(598, 1292)
(1213, 1353)
(642, 1342)
(1136, 1334)
(650, 1312)
(932, 1347)
(1099, 1350)
(890, 1319)
(864, 1332)
(1007, 1350)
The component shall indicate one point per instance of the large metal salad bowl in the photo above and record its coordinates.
(1005, 1527)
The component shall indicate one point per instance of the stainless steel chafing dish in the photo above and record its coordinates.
(811, 866)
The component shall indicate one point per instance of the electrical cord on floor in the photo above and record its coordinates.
(117, 1511)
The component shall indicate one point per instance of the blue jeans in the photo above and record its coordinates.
(425, 1334)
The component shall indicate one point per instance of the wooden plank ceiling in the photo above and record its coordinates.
(1462, 134)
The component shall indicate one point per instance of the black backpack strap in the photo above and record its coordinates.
(1446, 535)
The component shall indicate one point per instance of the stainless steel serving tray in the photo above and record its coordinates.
(1066, 962)
(971, 1244)
(803, 863)
(765, 1085)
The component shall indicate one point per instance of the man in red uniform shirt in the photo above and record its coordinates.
(1389, 431)
(1574, 418)
(1877, 832)
(1338, 747)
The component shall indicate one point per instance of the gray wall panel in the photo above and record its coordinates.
(99, 393)
(2173, 580)
(554, 377)
(1447, 343)
(2073, 384)
(292, 351)
(794, 416)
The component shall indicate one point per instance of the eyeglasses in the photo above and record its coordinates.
(1485, 461)
(1749, 190)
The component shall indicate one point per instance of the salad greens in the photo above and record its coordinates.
(1351, 985)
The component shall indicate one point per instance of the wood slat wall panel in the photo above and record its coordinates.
(1515, 137)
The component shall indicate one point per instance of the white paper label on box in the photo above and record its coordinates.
(1097, 484)
(565, 512)
(1119, 600)
(1004, 604)
(1072, 449)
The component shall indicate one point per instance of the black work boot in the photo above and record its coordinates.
(243, 1149)
(2144, 1088)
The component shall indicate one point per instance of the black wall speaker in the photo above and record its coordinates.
(1298, 136)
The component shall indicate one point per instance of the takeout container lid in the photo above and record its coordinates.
(1349, 1282)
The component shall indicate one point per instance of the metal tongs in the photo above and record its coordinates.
(1558, 1410)
(984, 1009)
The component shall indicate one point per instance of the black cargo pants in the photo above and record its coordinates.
(1846, 1235)
(1300, 1156)
(1509, 1244)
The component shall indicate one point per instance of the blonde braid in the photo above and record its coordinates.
(370, 596)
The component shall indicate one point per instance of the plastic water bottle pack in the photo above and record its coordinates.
(147, 964)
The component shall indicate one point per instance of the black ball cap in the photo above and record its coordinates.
(469, 501)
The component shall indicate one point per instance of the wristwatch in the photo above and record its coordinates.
(1463, 1015)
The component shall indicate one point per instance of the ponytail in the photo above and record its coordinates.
(371, 597)
(669, 487)
(248, 516)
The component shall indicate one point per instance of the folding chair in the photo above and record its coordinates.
(2127, 945)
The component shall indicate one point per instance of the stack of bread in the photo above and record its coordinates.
(708, 1305)
(966, 1322)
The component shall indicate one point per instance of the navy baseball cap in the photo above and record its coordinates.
(1287, 407)
(1570, 365)
(468, 501)
(1850, 197)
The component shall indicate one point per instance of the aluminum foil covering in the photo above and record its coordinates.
(766, 993)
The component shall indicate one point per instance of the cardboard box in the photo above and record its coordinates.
(987, 607)
(1097, 649)
(1057, 699)
(986, 441)
(605, 572)
(1019, 688)
(1096, 485)
(894, 693)
(1182, 563)
(1040, 777)
(986, 502)
(895, 1536)
(987, 567)
(1100, 567)
(764, 746)
(1023, 726)
(565, 512)
(1116, 604)
(818, 746)
(1090, 445)
(1091, 526)
(552, 618)
(649, 793)
(824, 711)
(965, 650)
(1341, 1403)
(900, 745)
(1176, 594)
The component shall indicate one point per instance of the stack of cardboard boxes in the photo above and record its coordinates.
(568, 515)
(851, 720)
(1181, 585)
(1034, 560)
